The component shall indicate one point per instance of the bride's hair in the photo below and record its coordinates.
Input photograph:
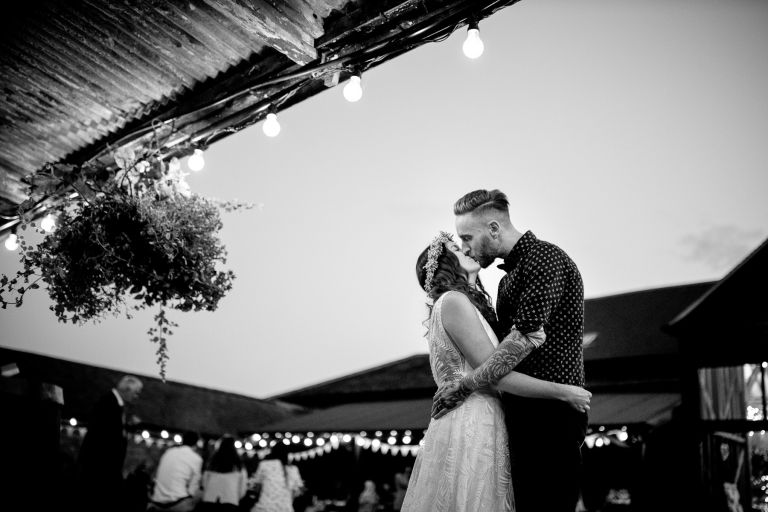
(450, 276)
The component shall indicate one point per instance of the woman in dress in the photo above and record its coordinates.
(464, 462)
(224, 482)
(275, 481)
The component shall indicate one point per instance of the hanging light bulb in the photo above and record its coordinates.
(353, 91)
(196, 162)
(473, 46)
(12, 242)
(271, 127)
(48, 223)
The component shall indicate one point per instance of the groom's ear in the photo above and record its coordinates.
(494, 228)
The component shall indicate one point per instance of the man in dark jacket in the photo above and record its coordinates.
(100, 463)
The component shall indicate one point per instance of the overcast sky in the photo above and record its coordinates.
(632, 134)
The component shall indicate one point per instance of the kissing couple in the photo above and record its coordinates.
(509, 418)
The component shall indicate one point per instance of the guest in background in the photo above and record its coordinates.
(272, 476)
(386, 497)
(401, 486)
(177, 483)
(224, 482)
(137, 488)
(369, 498)
(296, 486)
(101, 458)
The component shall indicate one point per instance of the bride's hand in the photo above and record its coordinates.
(577, 397)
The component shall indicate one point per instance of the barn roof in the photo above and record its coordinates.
(728, 325)
(625, 350)
(83, 78)
(162, 405)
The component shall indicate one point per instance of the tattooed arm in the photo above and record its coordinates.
(465, 329)
(504, 359)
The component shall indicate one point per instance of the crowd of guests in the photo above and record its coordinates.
(183, 480)
(183, 483)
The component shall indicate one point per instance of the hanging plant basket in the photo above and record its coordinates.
(129, 240)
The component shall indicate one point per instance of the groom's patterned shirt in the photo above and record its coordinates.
(543, 289)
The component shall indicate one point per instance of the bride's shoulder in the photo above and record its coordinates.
(454, 300)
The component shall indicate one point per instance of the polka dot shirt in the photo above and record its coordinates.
(543, 288)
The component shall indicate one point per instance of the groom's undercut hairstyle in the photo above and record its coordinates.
(481, 202)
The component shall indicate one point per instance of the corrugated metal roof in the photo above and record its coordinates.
(75, 71)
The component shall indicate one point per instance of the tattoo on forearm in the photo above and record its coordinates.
(508, 355)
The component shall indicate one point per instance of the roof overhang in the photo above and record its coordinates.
(83, 79)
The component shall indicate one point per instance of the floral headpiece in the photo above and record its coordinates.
(434, 252)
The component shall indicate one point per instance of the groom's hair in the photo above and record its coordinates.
(481, 202)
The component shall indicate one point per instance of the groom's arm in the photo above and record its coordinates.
(504, 359)
(544, 278)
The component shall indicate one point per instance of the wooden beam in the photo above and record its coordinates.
(366, 16)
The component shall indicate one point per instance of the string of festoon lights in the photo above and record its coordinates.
(307, 445)
(311, 445)
(352, 91)
(605, 437)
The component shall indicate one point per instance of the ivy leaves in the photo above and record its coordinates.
(134, 236)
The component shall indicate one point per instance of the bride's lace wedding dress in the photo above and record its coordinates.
(464, 463)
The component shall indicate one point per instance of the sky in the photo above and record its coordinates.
(631, 134)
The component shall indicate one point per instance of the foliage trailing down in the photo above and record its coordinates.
(127, 240)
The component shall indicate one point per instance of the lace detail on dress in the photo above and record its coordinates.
(464, 463)
(445, 359)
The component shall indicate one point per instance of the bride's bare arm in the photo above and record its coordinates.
(465, 329)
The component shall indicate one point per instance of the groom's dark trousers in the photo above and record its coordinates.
(545, 439)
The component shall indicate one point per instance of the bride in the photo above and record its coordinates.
(464, 462)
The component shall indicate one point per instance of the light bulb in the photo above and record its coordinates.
(353, 91)
(271, 126)
(196, 162)
(473, 46)
(48, 223)
(12, 242)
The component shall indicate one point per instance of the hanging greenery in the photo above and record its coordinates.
(133, 236)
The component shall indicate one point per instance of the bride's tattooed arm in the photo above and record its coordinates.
(504, 359)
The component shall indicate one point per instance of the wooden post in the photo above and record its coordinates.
(692, 435)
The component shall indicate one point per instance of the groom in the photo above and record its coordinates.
(542, 293)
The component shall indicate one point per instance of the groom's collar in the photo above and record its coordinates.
(521, 248)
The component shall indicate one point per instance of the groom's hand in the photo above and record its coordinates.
(448, 397)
